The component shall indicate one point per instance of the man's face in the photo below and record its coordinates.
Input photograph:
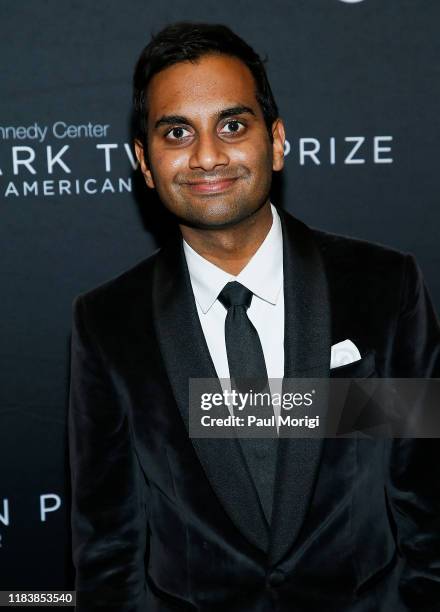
(210, 156)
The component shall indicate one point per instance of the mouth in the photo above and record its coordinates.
(211, 186)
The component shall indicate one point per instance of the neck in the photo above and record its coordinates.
(231, 248)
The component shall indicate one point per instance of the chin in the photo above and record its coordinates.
(219, 219)
(211, 215)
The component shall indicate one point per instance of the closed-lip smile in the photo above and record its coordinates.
(211, 186)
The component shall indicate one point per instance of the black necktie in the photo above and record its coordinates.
(247, 370)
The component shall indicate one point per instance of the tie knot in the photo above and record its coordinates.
(235, 294)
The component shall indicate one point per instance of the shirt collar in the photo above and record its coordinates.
(263, 274)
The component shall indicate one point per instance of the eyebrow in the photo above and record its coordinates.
(223, 114)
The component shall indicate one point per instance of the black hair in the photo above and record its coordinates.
(186, 41)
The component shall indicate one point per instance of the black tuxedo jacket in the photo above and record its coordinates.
(162, 521)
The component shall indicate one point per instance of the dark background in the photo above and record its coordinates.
(338, 70)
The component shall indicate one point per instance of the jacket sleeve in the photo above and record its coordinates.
(414, 467)
(109, 523)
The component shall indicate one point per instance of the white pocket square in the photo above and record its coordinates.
(343, 353)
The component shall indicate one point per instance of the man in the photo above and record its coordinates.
(165, 521)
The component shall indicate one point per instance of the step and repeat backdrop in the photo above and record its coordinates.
(358, 84)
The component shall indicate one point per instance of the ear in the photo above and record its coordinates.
(279, 138)
(145, 169)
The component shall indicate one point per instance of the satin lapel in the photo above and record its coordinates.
(307, 342)
(186, 355)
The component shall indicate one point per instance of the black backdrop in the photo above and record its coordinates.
(358, 86)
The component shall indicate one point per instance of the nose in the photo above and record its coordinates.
(208, 153)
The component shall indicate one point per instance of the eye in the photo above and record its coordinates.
(235, 127)
(176, 133)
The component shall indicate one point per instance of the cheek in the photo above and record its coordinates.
(167, 164)
(257, 159)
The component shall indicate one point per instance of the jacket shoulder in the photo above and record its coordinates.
(341, 247)
(121, 288)
(367, 276)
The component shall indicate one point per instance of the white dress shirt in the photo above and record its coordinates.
(263, 275)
